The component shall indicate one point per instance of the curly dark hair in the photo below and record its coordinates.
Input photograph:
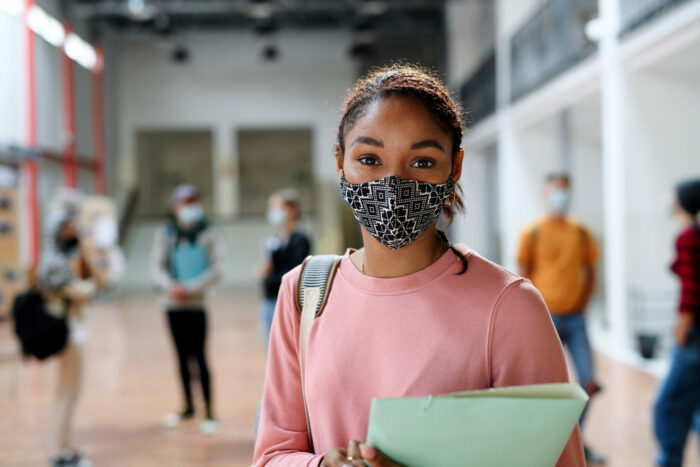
(411, 81)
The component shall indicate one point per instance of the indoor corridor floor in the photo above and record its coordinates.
(130, 384)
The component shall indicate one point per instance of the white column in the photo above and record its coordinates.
(613, 156)
(225, 201)
(507, 147)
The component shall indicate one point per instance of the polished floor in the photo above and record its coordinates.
(130, 384)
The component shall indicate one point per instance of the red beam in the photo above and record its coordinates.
(70, 168)
(29, 167)
(98, 125)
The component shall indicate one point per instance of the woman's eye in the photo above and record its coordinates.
(423, 164)
(368, 160)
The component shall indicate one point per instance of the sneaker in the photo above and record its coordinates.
(172, 420)
(209, 426)
(592, 456)
(72, 458)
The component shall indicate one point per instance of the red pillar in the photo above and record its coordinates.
(29, 167)
(98, 139)
(70, 163)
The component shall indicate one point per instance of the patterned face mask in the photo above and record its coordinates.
(394, 210)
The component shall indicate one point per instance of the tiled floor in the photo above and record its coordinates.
(131, 383)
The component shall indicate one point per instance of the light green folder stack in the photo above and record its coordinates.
(523, 426)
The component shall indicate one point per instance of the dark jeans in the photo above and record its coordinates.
(572, 332)
(189, 332)
(678, 402)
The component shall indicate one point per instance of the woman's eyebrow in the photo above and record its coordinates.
(367, 140)
(428, 143)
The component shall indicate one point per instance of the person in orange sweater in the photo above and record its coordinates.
(558, 255)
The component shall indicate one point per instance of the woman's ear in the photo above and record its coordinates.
(338, 161)
(457, 165)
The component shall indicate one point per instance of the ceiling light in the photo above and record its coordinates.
(180, 54)
(260, 11)
(373, 8)
(80, 51)
(141, 10)
(595, 29)
(270, 53)
(265, 26)
(46, 26)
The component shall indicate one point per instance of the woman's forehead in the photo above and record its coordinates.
(397, 114)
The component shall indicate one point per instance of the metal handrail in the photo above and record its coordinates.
(635, 13)
(478, 93)
(552, 41)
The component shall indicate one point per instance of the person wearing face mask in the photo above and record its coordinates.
(283, 252)
(558, 255)
(67, 280)
(186, 263)
(410, 314)
(679, 398)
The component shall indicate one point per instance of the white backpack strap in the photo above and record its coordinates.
(313, 288)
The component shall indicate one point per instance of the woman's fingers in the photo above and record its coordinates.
(375, 457)
(335, 457)
(354, 454)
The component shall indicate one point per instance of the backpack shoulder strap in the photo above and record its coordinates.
(316, 272)
(534, 234)
(313, 288)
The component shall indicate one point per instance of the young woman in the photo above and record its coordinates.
(67, 281)
(284, 251)
(186, 264)
(678, 402)
(408, 314)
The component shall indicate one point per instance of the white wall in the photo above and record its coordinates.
(662, 142)
(471, 228)
(12, 80)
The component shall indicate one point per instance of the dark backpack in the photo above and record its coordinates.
(40, 333)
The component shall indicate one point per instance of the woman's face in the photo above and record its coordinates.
(398, 136)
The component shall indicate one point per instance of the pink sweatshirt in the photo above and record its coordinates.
(431, 332)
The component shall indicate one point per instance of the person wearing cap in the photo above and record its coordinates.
(186, 263)
(679, 398)
(283, 252)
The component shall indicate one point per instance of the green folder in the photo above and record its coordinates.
(523, 426)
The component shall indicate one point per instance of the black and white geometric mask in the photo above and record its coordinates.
(394, 210)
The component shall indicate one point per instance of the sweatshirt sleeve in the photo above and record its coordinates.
(282, 437)
(159, 260)
(523, 348)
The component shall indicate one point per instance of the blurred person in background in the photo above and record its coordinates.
(558, 255)
(679, 397)
(186, 263)
(67, 281)
(283, 252)
(409, 314)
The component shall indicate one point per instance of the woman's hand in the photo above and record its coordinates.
(179, 293)
(265, 269)
(683, 328)
(375, 457)
(356, 455)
